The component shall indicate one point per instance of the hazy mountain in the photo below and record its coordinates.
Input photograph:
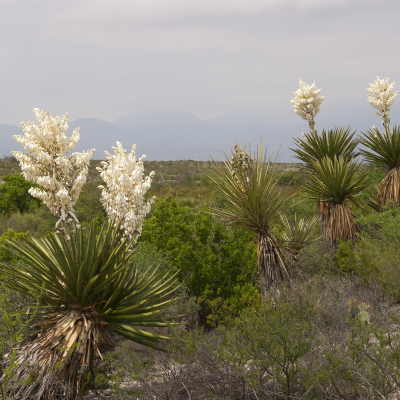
(181, 135)
(102, 135)
(172, 127)
(187, 136)
(167, 136)
(99, 135)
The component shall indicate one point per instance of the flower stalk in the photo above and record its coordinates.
(46, 163)
(123, 197)
(307, 103)
(382, 97)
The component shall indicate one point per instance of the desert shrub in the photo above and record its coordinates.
(224, 311)
(345, 258)
(276, 338)
(317, 259)
(215, 262)
(14, 196)
(7, 256)
(290, 177)
(38, 223)
(364, 366)
(305, 343)
(375, 256)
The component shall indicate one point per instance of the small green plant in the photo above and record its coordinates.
(276, 338)
(359, 309)
(6, 255)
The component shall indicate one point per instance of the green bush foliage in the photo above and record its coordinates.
(14, 195)
(333, 334)
(7, 256)
(215, 262)
(375, 256)
(305, 344)
(290, 177)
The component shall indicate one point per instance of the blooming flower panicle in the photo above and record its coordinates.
(307, 103)
(123, 196)
(46, 163)
(241, 160)
(381, 96)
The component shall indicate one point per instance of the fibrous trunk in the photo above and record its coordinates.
(337, 222)
(53, 365)
(270, 263)
(389, 188)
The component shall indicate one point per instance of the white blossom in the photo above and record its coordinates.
(306, 102)
(123, 197)
(46, 162)
(382, 96)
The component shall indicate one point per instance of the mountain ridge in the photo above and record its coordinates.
(179, 135)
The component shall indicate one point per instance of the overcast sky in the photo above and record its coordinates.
(109, 58)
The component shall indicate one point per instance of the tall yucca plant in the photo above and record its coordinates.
(332, 143)
(314, 148)
(335, 184)
(254, 200)
(384, 151)
(92, 289)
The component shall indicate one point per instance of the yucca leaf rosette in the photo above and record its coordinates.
(336, 186)
(383, 150)
(93, 289)
(331, 143)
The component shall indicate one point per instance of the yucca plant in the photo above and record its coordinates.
(254, 202)
(332, 143)
(384, 151)
(299, 232)
(92, 289)
(336, 185)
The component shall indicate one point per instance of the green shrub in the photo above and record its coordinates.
(14, 195)
(277, 337)
(5, 255)
(375, 257)
(346, 257)
(290, 177)
(38, 222)
(215, 261)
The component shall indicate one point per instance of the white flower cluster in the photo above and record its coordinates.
(382, 96)
(306, 102)
(240, 160)
(123, 196)
(61, 177)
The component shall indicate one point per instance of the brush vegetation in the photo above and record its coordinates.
(330, 333)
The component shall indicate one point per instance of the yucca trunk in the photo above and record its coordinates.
(55, 364)
(270, 263)
(338, 222)
(389, 188)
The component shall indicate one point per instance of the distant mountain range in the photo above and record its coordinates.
(183, 136)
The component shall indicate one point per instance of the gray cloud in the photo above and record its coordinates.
(106, 59)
